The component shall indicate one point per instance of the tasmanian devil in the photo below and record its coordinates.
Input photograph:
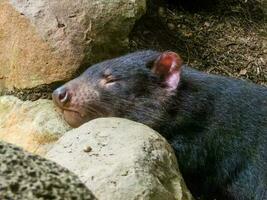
(216, 125)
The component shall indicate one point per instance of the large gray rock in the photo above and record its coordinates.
(42, 41)
(121, 159)
(30, 125)
(26, 176)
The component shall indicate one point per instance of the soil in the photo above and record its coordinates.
(32, 94)
(223, 37)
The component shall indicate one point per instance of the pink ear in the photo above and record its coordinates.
(168, 66)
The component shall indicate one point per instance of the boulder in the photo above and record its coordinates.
(30, 125)
(43, 41)
(26, 176)
(121, 159)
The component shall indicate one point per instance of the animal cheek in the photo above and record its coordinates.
(87, 92)
(82, 97)
(75, 101)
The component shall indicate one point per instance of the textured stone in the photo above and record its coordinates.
(26, 176)
(30, 125)
(121, 159)
(42, 41)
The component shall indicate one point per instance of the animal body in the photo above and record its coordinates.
(216, 125)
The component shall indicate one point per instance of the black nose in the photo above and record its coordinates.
(61, 96)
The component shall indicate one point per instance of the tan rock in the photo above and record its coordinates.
(25, 59)
(42, 41)
(121, 159)
(30, 125)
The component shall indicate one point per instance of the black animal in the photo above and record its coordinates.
(216, 125)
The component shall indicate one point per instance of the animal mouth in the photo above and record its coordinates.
(66, 109)
(73, 117)
(75, 112)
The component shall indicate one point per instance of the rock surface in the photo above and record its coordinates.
(42, 41)
(25, 176)
(30, 125)
(121, 159)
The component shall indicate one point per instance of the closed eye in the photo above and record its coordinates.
(109, 79)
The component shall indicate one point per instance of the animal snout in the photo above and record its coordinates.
(61, 96)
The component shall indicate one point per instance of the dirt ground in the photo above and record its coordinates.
(223, 37)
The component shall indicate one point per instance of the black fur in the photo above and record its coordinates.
(220, 136)
(216, 125)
